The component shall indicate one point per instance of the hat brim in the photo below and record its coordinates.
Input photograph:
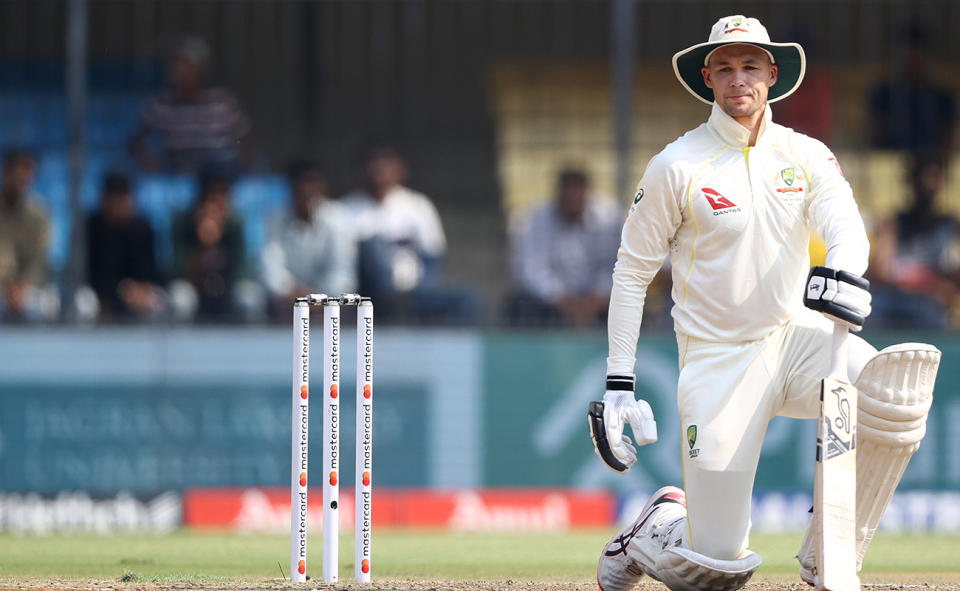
(789, 57)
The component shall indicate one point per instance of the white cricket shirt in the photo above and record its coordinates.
(736, 223)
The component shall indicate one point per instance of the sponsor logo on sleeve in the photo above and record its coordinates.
(837, 164)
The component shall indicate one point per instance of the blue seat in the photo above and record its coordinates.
(48, 113)
(159, 199)
(58, 250)
(112, 118)
(15, 124)
(34, 119)
(257, 199)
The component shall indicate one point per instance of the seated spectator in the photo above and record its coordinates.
(915, 266)
(191, 127)
(912, 111)
(811, 109)
(209, 256)
(121, 267)
(402, 246)
(24, 236)
(563, 256)
(312, 248)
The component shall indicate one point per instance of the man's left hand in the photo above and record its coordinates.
(607, 420)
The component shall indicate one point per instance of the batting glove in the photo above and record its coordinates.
(839, 295)
(608, 418)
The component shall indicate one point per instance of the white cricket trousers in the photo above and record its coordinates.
(727, 394)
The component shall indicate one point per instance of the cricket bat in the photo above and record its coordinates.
(835, 481)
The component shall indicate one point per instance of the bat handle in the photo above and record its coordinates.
(838, 353)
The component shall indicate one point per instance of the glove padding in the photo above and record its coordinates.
(839, 295)
(607, 419)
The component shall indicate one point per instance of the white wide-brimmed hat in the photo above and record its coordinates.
(791, 62)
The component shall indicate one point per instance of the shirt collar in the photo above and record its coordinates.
(731, 132)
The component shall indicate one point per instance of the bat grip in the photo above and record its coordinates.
(838, 353)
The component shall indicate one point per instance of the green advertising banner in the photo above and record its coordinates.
(538, 387)
(153, 410)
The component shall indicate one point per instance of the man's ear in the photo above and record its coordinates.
(773, 75)
(706, 77)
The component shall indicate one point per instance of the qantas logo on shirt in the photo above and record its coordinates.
(717, 201)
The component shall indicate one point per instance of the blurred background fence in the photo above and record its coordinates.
(486, 100)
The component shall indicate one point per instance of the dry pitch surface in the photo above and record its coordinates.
(420, 561)
(918, 582)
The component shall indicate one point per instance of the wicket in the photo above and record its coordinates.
(331, 435)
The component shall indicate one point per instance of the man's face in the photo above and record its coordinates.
(309, 189)
(740, 76)
(385, 170)
(18, 175)
(185, 74)
(572, 200)
(118, 207)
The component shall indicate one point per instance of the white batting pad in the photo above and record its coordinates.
(895, 394)
(681, 569)
(896, 391)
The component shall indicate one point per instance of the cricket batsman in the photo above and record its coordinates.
(733, 203)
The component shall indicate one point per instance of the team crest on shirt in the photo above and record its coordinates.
(788, 175)
(788, 181)
(692, 440)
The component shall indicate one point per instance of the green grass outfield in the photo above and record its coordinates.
(188, 556)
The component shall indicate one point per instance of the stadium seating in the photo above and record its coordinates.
(37, 120)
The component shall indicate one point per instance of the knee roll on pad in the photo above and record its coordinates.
(681, 569)
(895, 394)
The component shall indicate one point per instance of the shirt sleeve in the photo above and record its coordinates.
(341, 275)
(34, 254)
(273, 261)
(833, 213)
(644, 243)
(433, 242)
(239, 122)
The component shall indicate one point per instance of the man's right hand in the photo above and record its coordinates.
(607, 419)
(841, 296)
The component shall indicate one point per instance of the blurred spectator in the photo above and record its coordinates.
(915, 268)
(811, 109)
(24, 236)
(190, 127)
(911, 111)
(121, 267)
(402, 245)
(563, 256)
(209, 257)
(312, 248)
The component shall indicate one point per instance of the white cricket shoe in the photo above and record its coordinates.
(617, 571)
